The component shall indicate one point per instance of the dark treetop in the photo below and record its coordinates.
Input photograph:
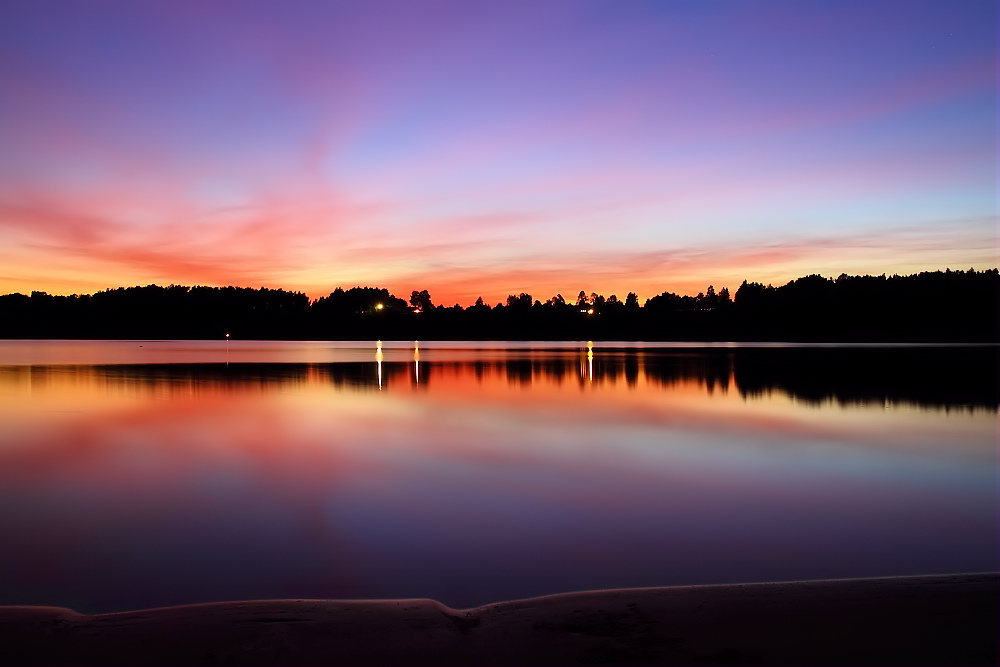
(939, 306)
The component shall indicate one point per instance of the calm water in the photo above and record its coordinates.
(138, 474)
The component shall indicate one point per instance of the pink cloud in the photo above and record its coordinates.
(688, 270)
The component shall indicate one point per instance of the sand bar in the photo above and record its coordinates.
(929, 619)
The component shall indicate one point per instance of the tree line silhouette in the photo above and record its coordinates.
(947, 306)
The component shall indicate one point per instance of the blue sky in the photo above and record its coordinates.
(487, 148)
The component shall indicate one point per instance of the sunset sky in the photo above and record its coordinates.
(484, 148)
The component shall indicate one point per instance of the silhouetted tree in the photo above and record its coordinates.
(359, 300)
(929, 306)
(750, 293)
(421, 300)
(520, 301)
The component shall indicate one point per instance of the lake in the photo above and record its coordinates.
(151, 473)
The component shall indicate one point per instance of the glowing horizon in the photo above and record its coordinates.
(484, 149)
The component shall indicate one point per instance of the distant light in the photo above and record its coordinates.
(590, 311)
(227, 335)
(378, 361)
(379, 306)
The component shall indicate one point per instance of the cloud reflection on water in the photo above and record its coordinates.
(124, 486)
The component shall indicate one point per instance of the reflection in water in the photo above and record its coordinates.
(473, 476)
(590, 361)
(953, 379)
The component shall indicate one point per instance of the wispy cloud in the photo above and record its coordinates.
(484, 149)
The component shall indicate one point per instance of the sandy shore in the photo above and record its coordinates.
(951, 618)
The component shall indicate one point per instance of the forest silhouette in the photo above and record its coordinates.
(938, 306)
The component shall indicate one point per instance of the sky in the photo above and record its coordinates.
(478, 148)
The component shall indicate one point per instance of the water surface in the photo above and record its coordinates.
(187, 471)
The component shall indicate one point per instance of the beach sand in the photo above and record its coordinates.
(943, 619)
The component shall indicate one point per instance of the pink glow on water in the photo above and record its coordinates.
(467, 475)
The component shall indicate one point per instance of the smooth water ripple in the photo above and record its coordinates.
(471, 474)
